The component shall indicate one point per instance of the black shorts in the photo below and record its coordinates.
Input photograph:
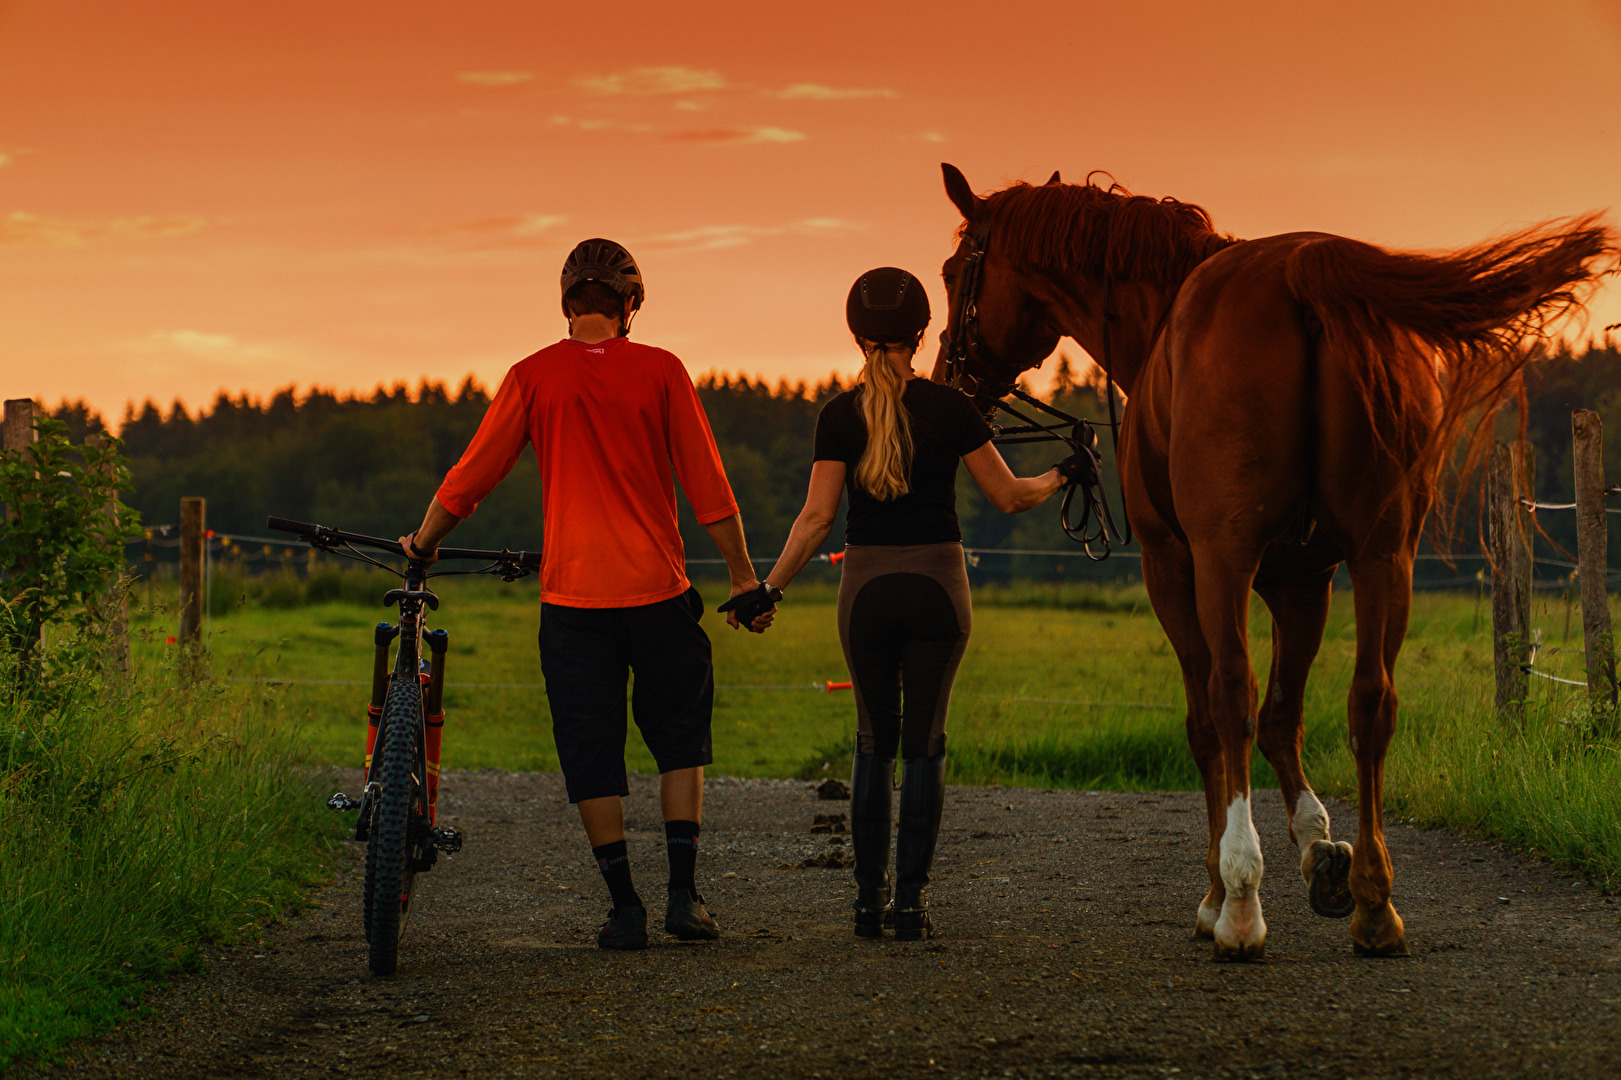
(587, 655)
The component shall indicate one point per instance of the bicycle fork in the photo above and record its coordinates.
(433, 691)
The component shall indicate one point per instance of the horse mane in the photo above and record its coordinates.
(1091, 230)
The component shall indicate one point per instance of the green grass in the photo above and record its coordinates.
(135, 827)
(1063, 686)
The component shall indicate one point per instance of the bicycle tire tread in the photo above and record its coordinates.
(391, 818)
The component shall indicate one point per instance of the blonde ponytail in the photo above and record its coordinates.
(887, 460)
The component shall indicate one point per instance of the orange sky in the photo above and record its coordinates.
(207, 194)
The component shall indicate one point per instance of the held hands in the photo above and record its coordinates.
(752, 605)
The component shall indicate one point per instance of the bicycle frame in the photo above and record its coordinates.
(407, 665)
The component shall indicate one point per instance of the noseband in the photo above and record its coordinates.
(1081, 438)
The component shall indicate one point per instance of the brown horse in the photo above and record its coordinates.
(1292, 401)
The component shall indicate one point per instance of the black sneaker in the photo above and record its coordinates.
(688, 919)
(625, 929)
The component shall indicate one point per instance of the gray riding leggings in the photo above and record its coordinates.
(904, 620)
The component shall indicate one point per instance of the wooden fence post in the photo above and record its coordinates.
(115, 649)
(191, 575)
(1511, 582)
(1592, 562)
(16, 432)
(17, 429)
(19, 423)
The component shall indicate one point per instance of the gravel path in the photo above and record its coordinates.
(1064, 949)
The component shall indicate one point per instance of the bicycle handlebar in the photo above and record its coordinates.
(320, 534)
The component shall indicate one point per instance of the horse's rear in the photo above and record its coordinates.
(1295, 414)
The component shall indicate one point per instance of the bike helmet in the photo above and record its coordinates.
(607, 262)
(887, 304)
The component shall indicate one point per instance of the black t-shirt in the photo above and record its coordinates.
(945, 426)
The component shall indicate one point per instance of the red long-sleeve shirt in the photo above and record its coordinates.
(609, 422)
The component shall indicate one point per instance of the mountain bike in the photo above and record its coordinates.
(405, 722)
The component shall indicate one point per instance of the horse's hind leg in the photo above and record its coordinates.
(1299, 606)
(1224, 573)
(1383, 594)
(1168, 574)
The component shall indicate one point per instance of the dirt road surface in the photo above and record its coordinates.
(1064, 949)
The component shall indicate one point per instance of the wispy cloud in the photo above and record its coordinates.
(10, 154)
(720, 237)
(931, 136)
(22, 228)
(510, 224)
(653, 80)
(740, 135)
(688, 105)
(597, 124)
(200, 344)
(817, 92)
(495, 79)
(504, 231)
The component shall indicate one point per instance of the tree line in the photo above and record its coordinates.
(370, 463)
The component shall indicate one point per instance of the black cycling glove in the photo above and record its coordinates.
(751, 605)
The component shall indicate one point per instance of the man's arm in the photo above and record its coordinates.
(436, 525)
(501, 437)
(728, 536)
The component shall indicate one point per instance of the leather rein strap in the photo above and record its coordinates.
(1081, 437)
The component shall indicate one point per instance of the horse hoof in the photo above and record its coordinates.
(1330, 882)
(1205, 925)
(1379, 933)
(1241, 931)
(1241, 953)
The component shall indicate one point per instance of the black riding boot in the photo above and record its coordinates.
(923, 796)
(870, 779)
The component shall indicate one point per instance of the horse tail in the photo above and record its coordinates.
(1414, 327)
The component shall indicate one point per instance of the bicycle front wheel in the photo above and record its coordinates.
(388, 871)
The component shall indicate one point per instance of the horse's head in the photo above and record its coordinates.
(997, 322)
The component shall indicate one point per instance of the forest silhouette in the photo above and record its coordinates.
(370, 463)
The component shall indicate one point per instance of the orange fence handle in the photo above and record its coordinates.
(832, 686)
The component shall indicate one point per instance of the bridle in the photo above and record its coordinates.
(1081, 437)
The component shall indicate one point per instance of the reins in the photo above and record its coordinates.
(1082, 437)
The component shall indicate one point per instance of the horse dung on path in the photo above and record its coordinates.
(1292, 402)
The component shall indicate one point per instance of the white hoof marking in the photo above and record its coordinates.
(1208, 915)
(1309, 824)
(1240, 851)
(1240, 923)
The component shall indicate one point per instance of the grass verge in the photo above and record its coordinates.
(1064, 686)
(136, 827)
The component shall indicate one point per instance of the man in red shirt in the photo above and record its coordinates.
(610, 421)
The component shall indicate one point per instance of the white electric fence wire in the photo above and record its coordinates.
(1529, 670)
(820, 688)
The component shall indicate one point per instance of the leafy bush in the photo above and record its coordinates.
(61, 550)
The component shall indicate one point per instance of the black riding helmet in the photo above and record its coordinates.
(607, 262)
(887, 304)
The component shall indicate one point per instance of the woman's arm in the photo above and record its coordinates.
(1008, 493)
(813, 524)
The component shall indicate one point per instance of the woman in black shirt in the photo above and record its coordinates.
(893, 443)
